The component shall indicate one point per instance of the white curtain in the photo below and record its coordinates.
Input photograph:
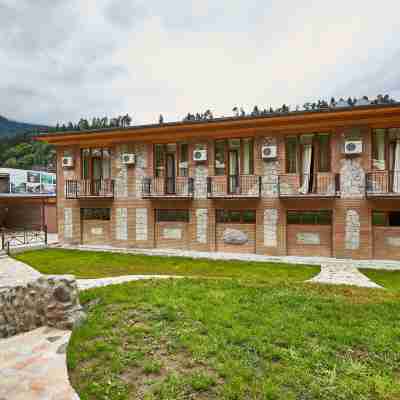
(306, 168)
(396, 169)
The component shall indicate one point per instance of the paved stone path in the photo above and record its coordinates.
(13, 272)
(341, 274)
(33, 366)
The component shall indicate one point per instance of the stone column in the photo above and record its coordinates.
(121, 177)
(201, 225)
(352, 235)
(68, 223)
(270, 172)
(140, 168)
(141, 224)
(352, 179)
(271, 227)
(121, 224)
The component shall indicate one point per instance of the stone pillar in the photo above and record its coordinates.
(270, 173)
(200, 176)
(141, 224)
(68, 223)
(121, 176)
(121, 224)
(140, 168)
(352, 234)
(201, 225)
(271, 227)
(352, 179)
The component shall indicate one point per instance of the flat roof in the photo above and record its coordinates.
(328, 110)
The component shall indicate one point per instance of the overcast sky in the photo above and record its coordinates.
(65, 59)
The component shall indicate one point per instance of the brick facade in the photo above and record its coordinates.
(133, 222)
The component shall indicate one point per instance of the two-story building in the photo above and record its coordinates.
(316, 183)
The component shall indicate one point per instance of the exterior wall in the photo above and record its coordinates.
(133, 218)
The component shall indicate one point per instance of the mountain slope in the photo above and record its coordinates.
(10, 128)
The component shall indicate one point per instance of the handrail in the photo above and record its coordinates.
(89, 188)
(168, 186)
(23, 236)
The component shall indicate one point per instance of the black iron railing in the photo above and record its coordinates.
(86, 188)
(24, 236)
(167, 187)
(234, 186)
(319, 184)
(383, 182)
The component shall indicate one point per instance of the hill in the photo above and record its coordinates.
(10, 128)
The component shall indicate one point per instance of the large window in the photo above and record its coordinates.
(171, 160)
(386, 149)
(234, 157)
(386, 218)
(183, 153)
(321, 217)
(324, 152)
(88, 214)
(96, 163)
(172, 215)
(291, 155)
(236, 216)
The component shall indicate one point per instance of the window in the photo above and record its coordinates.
(248, 164)
(102, 214)
(323, 217)
(236, 216)
(220, 157)
(291, 155)
(378, 149)
(324, 152)
(159, 159)
(386, 218)
(172, 215)
(96, 163)
(183, 159)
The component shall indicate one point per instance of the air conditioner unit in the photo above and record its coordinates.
(200, 155)
(67, 162)
(128, 158)
(353, 147)
(268, 152)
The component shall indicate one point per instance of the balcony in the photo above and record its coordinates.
(383, 184)
(234, 186)
(319, 185)
(89, 189)
(168, 188)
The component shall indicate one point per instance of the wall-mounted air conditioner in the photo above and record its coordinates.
(200, 155)
(128, 158)
(67, 162)
(268, 152)
(353, 147)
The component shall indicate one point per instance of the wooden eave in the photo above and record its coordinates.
(371, 116)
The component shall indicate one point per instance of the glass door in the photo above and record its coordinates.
(233, 179)
(170, 174)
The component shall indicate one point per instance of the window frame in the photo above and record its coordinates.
(388, 148)
(107, 214)
(185, 219)
(224, 212)
(386, 218)
(317, 215)
(90, 159)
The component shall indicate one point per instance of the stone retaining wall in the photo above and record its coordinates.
(48, 301)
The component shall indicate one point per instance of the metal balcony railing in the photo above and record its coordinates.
(383, 183)
(89, 188)
(234, 186)
(175, 187)
(320, 184)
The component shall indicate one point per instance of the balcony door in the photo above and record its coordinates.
(170, 173)
(233, 179)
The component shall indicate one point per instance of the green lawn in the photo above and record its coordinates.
(87, 264)
(388, 279)
(231, 339)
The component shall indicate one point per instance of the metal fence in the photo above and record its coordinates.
(25, 236)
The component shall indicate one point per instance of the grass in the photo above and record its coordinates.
(230, 339)
(388, 279)
(87, 264)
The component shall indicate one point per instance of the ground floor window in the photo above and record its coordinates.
(236, 216)
(386, 218)
(172, 215)
(320, 217)
(103, 214)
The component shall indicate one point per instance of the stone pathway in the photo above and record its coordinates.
(341, 274)
(13, 272)
(33, 366)
(84, 284)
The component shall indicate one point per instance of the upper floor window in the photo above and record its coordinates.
(234, 157)
(308, 153)
(386, 149)
(96, 163)
(171, 160)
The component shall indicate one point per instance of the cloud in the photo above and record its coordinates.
(63, 60)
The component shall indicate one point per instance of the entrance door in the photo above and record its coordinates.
(170, 174)
(233, 183)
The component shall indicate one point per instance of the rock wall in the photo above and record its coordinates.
(202, 225)
(68, 225)
(270, 180)
(141, 224)
(121, 179)
(140, 168)
(48, 301)
(271, 227)
(352, 179)
(121, 224)
(352, 235)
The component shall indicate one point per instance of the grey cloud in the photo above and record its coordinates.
(126, 14)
